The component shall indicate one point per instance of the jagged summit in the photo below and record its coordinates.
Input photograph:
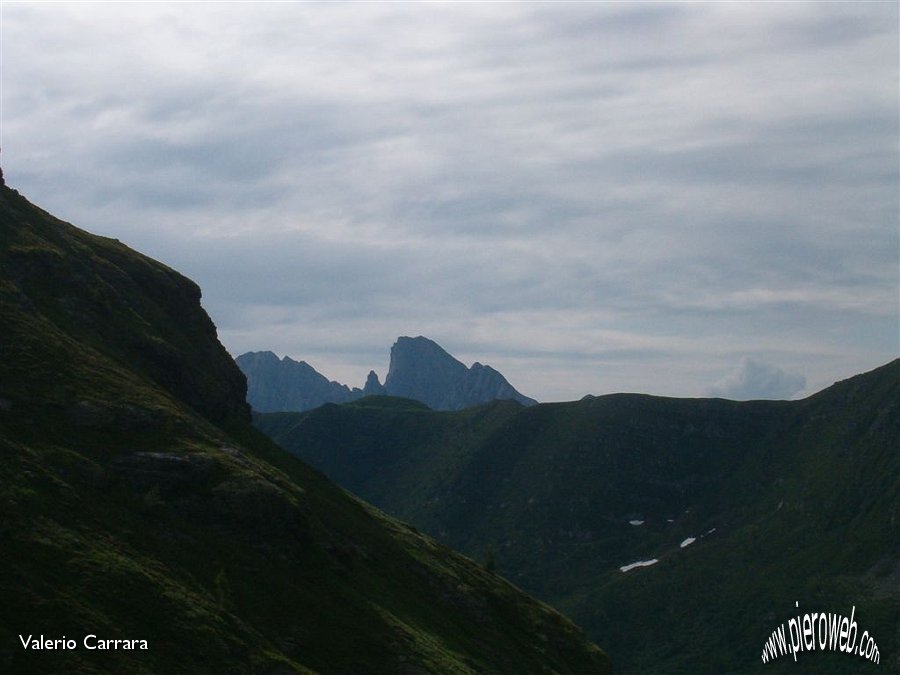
(420, 369)
(373, 386)
(275, 384)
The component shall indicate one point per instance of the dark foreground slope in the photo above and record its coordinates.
(138, 502)
(785, 502)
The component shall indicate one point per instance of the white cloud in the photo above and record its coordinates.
(757, 380)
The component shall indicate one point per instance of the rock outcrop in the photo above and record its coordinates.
(275, 385)
(420, 369)
(373, 387)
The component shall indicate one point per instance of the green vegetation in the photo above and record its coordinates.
(138, 502)
(787, 501)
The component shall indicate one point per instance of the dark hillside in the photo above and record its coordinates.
(138, 503)
(85, 291)
(782, 501)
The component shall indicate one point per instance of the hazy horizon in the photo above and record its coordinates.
(749, 376)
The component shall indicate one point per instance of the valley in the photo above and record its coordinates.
(673, 530)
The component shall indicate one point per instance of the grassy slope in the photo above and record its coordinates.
(138, 502)
(803, 496)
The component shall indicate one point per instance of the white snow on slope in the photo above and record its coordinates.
(639, 563)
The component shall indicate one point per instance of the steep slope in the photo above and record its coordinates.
(275, 384)
(784, 501)
(420, 369)
(810, 516)
(138, 502)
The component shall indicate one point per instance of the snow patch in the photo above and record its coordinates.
(639, 563)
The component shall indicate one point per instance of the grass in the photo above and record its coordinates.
(139, 502)
(803, 497)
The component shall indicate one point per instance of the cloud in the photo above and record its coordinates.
(599, 196)
(757, 380)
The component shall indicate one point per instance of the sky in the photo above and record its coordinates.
(695, 199)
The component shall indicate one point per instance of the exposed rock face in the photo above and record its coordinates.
(373, 387)
(275, 385)
(420, 369)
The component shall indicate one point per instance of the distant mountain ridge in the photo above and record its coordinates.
(420, 369)
(284, 384)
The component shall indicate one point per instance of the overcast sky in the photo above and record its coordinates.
(680, 199)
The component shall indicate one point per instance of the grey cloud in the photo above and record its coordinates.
(644, 189)
(749, 162)
(838, 27)
(757, 380)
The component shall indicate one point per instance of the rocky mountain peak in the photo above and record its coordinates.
(373, 386)
(275, 384)
(422, 370)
